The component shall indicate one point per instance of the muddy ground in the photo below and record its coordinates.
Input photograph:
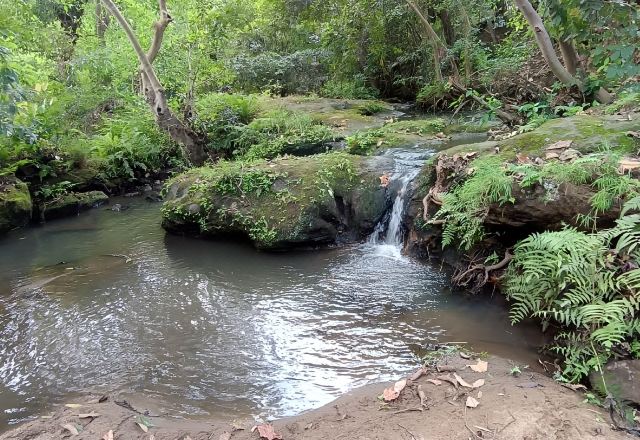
(531, 406)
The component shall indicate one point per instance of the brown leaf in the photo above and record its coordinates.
(422, 395)
(560, 145)
(478, 383)
(550, 156)
(267, 432)
(629, 165)
(142, 426)
(392, 393)
(91, 415)
(480, 366)
(384, 180)
(435, 381)
(449, 379)
(471, 402)
(418, 374)
(569, 154)
(574, 386)
(461, 381)
(446, 368)
(73, 429)
(464, 355)
(108, 435)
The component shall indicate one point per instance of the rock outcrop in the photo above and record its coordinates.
(71, 204)
(15, 204)
(289, 202)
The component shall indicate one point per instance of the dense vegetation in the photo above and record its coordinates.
(103, 94)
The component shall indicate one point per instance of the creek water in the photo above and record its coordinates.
(108, 302)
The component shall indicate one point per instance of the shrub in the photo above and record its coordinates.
(355, 88)
(589, 284)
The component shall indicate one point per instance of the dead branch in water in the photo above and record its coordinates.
(469, 275)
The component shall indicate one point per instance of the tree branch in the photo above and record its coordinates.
(160, 26)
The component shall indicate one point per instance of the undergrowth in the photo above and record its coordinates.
(589, 284)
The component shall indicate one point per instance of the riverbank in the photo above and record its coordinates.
(528, 406)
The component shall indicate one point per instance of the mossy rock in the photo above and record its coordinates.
(589, 133)
(71, 204)
(15, 204)
(289, 202)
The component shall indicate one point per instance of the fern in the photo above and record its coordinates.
(589, 284)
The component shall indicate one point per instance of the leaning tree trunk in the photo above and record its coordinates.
(569, 56)
(153, 90)
(434, 41)
(549, 53)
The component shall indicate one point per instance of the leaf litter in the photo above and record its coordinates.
(392, 393)
(267, 432)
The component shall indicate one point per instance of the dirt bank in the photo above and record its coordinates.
(530, 406)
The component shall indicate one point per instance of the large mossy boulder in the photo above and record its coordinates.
(288, 202)
(71, 204)
(15, 204)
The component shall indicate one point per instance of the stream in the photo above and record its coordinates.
(106, 301)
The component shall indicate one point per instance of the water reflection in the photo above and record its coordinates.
(209, 326)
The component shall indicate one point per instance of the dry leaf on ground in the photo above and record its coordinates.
(418, 374)
(73, 429)
(480, 367)
(91, 415)
(72, 405)
(108, 435)
(267, 432)
(629, 165)
(435, 381)
(461, 381)
(392, 393)
(449, 379)
(471, 402)
(142, 426)
(478, 383)
(560, 145)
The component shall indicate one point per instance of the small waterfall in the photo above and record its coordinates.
(389, 236)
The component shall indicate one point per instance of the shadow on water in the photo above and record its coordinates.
(216, 327)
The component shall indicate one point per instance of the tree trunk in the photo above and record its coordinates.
(549, 53)
(434, 41)
(569, 56)
(153, 90)
(102, 21)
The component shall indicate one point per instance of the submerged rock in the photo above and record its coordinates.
(288, 202)
(622, 379)
(15, 204)
(72, 204)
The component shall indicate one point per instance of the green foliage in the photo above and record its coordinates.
(365, 142)
(466, 204)
(52, 192)
(420, 127)
(355, 88)
(430, 94)
(589, 284)
(371, 108)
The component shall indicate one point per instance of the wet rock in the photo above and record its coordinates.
(72, 204)
(15, 204)
(622, 379)
(321, 199)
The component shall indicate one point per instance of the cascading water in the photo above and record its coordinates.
(388, 235)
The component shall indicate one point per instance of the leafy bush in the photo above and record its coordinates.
(371, 108)
(589, 284)
(282, 132)
(355, 88)
(364, 142)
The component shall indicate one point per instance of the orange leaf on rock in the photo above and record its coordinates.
(480, 367)
(560, 145)
(392, 393)
(267, 432)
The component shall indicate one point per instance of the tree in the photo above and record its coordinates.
(152, 88)
(549, 53)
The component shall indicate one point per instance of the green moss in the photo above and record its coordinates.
(15, 205)
(267, 201)
(420, 127)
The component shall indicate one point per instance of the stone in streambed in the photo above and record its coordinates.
(622, 379)
(288, 202)
(72, 204)
(15, 204)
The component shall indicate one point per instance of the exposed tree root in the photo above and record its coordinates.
(478, 274)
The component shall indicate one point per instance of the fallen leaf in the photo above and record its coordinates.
(309, 426)
(560, 145)
(384, 180)
(422, 395)
(46, 417)
(574, 386)
(392, 393)
(91, 415)
(73, 429)
(464, 355)
(461, 381)
(479, 394)
(418, 374)
(435, 381)
(480, 367)
(528, 385)
(629, 165)
(471, 402)
(550, 156)
(478, 383)
(108, 435)
(267, 432)
(569, 154)
(446, 368)
(142, 426)
(449, 379)
(72, 405)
